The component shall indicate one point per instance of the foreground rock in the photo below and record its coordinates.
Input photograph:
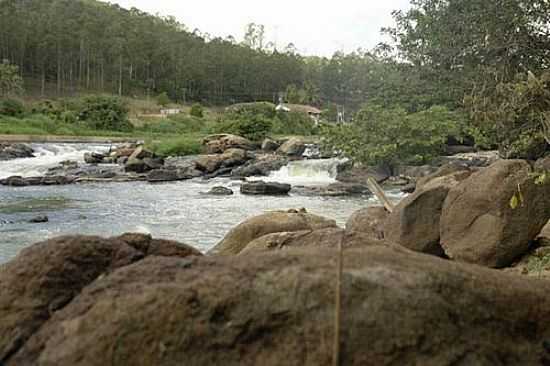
(272, 222)
(47, 276)
(370, 220)
(316, 239)
(220, 191)
(265, 188)
(399, 308)
(415, 222)
(15, 151)
(478, 224)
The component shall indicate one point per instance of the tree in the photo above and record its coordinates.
(389, 136)
(11, 82)
(255, 36)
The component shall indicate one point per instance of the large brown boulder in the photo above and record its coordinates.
(478, 224)
(216, 144)
(322, 238)
(272, 222)
(414, 223)
(48, 275)
(293, 147)
(369, 221)
(398, 308)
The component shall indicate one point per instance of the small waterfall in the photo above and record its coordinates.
(47, 156)
(308, 172)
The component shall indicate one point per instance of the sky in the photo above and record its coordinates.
(315, 27)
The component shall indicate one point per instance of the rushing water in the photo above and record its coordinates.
(178, 211)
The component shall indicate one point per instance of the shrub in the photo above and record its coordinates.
(263, 109)
(11, 108)
(163, 99)
(105, 113)
(251, 126)
(179, 146)
(389, 135)
(197, 111)
(293, 123)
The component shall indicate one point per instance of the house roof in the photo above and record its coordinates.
(302, 108)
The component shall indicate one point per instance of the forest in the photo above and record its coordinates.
(483, 66)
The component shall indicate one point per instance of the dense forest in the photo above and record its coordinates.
(479, 67)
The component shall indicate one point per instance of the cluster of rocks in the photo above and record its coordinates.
(265, 295)
(15, 151)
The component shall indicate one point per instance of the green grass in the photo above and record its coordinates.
(177, 146)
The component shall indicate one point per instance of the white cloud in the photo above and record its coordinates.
(315, 27)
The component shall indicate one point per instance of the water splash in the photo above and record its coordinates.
(47, 156)
(308, 172)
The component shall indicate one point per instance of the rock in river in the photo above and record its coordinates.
(265, 188)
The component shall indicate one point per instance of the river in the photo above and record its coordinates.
(178, 211)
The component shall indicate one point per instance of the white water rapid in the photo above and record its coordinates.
(47, 156)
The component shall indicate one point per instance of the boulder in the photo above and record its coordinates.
(272, 222)
(209, 163)
(15, 181)
(359, 174)
(269, 145)
(39, 219)
(220, 191)
(477, 159)
(293, 147)
(543, 164)
(447, 169)
(136, 166)
(47, 276)
(459, 149)
(15, 151)
(316, 239)
(398, 308)
(216, 144)
(262, 166)
(141, 153)
(338, 189)
(234, 157)
(543, 238)
(93, 158)
(414, 223)
(265, 188)
(370, 221)
(478, 224)
(153, 163)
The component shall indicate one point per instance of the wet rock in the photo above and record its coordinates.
(163, 175)
(153, 163)
(265, 188)
(478, 224)
(415, 222)
(136, 166)
(293, 147)
(401, 308)
(272, 222)
(370, 220)
(359, 174)
(262, 166)
(217, 144)
(338, 189)
(459, 149)
(220, 191)
(14, 181)
(55, 180)
(15, 151)
(93, 158)
(270, 145)
(39, 219)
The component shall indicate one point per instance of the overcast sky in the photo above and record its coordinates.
(316, 27)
